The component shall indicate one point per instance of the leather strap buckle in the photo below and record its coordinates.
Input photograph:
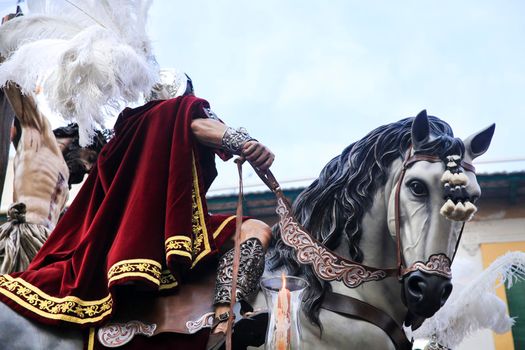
(221, 318)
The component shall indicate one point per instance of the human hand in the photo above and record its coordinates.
(258, 155)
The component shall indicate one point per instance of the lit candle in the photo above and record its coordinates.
(282, 321)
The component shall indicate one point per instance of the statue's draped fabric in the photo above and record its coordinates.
(140, 219)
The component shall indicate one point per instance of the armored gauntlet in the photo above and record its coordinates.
(251, 268)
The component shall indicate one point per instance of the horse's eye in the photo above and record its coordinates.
(418, 188)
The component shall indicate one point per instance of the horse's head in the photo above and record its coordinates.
(434, 194)
(351, 209)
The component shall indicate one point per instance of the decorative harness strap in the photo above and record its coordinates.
(355, 308)
(328, 265)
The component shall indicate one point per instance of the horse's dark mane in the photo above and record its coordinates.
(333, 205)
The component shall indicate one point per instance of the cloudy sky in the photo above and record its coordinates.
(307, 77)
(310, 77)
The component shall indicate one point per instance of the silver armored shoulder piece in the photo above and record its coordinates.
(210, 114)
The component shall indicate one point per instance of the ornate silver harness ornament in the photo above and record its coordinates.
(327, 265)
(205, 321)
(437, 264)
(114, 335)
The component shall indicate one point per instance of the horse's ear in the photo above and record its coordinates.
(478, 143)
(420, 130)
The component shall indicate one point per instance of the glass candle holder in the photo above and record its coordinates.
(283, 297)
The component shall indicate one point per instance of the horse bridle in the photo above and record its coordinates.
(437, 264)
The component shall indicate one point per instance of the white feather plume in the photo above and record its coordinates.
(473, 305)
(89, 57)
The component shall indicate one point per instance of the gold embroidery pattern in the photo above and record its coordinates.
(179, 245)
(197, 227)
(198, 246)
(223, 225)
(167, 280)
(70, 309)
(201, 244)
(145, 268)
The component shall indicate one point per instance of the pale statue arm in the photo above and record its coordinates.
(25, 108)
(210, 132)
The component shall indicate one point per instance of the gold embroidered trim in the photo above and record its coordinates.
(222, 226)
(144, 268)
(167, 280)
(91, 339)
(200, 232)
(69, 309)
(179, 245)
(198, 246)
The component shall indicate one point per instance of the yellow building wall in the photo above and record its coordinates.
(489, 253)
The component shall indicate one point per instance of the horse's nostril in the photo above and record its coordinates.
(447, 289)
(416, 286)
(425, 293)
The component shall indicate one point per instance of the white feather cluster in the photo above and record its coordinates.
(473, 305)
(88, 57)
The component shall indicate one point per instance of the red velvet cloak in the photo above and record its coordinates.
(140, 218)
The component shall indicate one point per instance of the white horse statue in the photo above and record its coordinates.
(395, 200)
(384, 217)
